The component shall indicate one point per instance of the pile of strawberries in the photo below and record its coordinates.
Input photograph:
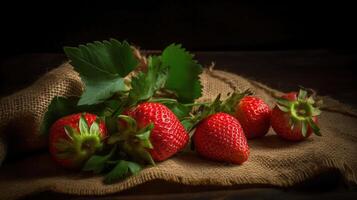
(150, 131)
(136, 111)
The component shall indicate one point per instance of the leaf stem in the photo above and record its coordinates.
(197, 104)
(162, 100)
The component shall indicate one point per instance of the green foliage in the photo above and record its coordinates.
(102, 66)
(145, 85)
(183, 77)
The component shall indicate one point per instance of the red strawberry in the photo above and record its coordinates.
(295, 116)
(154, 128)
(220, 137)
(74, 138)
(254, 116)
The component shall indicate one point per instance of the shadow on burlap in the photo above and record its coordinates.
(272, 161)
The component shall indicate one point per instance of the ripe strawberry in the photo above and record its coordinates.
(74, 138)
(154, 128)
(295, 116)
(254, 116)
(220, 137)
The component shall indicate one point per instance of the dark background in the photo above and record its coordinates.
(287, 44)
(198, 25)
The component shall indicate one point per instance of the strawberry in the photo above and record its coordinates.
(74, 138)
(254, 116)
(220, 137)
(294, 117)
(151, 128)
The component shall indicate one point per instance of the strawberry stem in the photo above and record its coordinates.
(301, 110)
(132, 140)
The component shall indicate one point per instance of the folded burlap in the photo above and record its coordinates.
(272, 161)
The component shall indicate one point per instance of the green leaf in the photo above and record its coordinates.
(283, 102)
(131, 123)
(118, 172)
(216, 106)
(111, 124)
(302, 94)
(145, 139)
(283, 108)
(121, 132)
(100, 89)
(144, 155)
(304, 128)
(188, 124)
(83, 126)
(97, 163)
(121, 170)
(310, 100)
(144, 136)
(180, 110)
(144, 85)
(292, 124)
(183, 77)
(102, 66)
(134, 168)
(115, 138)
(70, 132)
(61, 106)
(137, 153)
(314, 127)
(315, 112)
(229, 105)
(94, 128)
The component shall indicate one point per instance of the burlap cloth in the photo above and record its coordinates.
(272, 161)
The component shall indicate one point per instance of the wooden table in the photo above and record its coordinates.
(329, 72)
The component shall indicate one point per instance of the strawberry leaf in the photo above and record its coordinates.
(134, 168)
(180, 110)
(304, 128)
(283, 108)
(102, 66)
(144, 136)
(229, 105)
(183, 77)
(216, 106)
(121, 170)
(144, 85)
(118, 172)
(83, 125)
(302, 94)
(314, 127)
(94, 128)
(315, 111)
(188, 124)
(97, 163)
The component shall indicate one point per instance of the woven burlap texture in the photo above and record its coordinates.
(22, 112)
(272, 161)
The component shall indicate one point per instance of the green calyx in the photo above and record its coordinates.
(218, 105)
(81, 144)
(134, 141)
(302, 110)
